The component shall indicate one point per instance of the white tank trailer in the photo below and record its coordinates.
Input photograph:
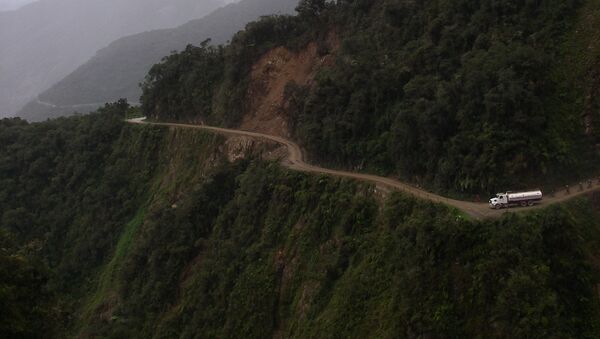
(509, 199)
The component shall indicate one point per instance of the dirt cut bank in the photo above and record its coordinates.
(266, 103)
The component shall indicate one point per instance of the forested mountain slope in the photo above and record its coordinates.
(44, 41)
(119, 231)
(133, 231)
(468, 97)
(116, 71)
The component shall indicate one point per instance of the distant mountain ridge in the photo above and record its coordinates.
(116, 71)
(11, 5)
(44, 41)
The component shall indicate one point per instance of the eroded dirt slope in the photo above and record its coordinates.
(266, 105)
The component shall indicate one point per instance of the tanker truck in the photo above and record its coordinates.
(509, 199)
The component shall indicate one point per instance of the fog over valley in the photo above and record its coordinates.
(116, 71)
(44, 41)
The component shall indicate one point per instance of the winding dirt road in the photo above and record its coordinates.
(295, 161)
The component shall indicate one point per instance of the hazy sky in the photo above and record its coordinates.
(6, 5)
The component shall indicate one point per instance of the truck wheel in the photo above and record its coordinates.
(523, 203)
(530, 203)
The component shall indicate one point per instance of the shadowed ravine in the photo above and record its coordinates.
(295, 161)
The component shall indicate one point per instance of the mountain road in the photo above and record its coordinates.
(295, 161)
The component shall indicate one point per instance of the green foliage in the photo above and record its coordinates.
(311, 8)
(462, 97)
(183, 84)
(454, 96)
(25, 302)
(210, 83)
(148, 232)
(69, 185)
(153, 234)
(279, 252)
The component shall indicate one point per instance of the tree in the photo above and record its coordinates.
(311, 8)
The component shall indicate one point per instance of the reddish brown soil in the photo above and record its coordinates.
(265, 100)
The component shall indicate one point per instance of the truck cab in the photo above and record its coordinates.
(499, 201)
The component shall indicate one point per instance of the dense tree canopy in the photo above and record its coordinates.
(124, 231)
(26, 305)
(458, 96)
(183, 84)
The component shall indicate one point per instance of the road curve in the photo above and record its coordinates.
(295, 161)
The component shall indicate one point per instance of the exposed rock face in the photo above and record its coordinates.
(274, 70)
(241, 147)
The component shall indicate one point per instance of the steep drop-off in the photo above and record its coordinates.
(154, 232)
(146, 231)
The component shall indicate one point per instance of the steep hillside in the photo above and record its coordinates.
(581, 66)
(116, 71)
(44, 41)
(469, 98)
(153, 232)
(115, 230)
